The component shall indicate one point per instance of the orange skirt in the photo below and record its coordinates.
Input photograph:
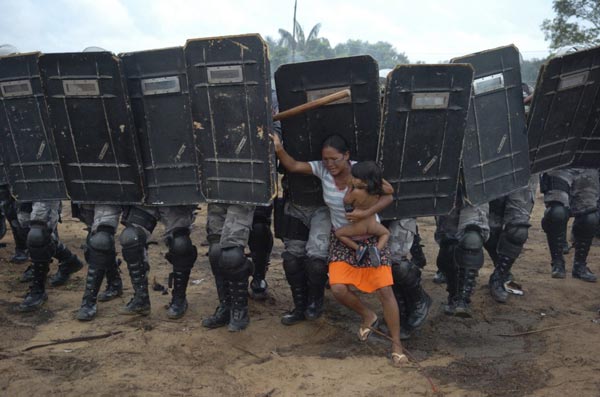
(366, 279)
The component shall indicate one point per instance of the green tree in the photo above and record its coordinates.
(530, 70)
(385, 54)
(576, 22)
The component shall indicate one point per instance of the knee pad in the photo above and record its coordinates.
(512, 240)
(469, 252)
(293, 267)
(100, 247)
(233, 263)
(445, 258)
(40, 243)
(405, 273)
(585, 225)
(316, 270)
(555, 218)
(133, 244)
(182, 252)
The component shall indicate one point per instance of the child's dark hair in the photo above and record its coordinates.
(369, 172)
(337, 142)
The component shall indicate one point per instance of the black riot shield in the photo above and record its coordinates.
(425, 111)
(31, 161)
(495, 148)
(160, 101)
(356, 118)
(93, 127)
(231, 111)
(563, 117)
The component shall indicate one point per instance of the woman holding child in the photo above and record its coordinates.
(364, 262)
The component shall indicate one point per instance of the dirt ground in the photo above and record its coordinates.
(154, 356)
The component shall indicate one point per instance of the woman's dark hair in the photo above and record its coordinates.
(369, 172)
(336, 142)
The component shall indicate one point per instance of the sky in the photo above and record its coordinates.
(425, 30)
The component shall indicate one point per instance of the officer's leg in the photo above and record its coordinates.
(585, 191)
(260, 243)
(316, 264)
(182, 254)
(100, 254)
(446, 237)
(10, 209)
(516, 214)
(228, 229)
(294, 258)
(215, 219)
(407, 277)
(473, 232)
(416, 251)
(139, 225)
(556, 197)
(68, 263)
(42, 247)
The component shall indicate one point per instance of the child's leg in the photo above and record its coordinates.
(392, 318)
(377, 229)
(345, 232)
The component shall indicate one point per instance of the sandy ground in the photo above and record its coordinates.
(155, 356)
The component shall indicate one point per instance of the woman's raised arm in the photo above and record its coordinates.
(288, 162)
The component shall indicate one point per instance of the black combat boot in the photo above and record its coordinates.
(500, 275)
(68, 264)
(580, 268)
(221, 316)
(555, 243)
(316, 271)
(21, 252)
(296, 315)
(238, 314)
(178, 304)
(27, 275)
(416, 252)
(554, 223)
(93, 281)
(114, 284)
(140, 303)
(36, 296)
(452, 288)
(405, 330)
(466, 284)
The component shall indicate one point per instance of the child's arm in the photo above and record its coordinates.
(383, 202)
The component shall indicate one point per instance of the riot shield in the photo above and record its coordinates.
(160, 102)
(425, 111)
(356, 118)
(563, 116)
(495, 148)
(31, 160)
(93, 127)
(231, 111)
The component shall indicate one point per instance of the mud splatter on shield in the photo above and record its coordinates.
(231, 110)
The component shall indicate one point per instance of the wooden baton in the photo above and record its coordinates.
(336, 96)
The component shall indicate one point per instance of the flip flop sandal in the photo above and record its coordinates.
(364, 333)
(399, 360)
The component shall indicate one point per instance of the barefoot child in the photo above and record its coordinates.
(364, 190)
